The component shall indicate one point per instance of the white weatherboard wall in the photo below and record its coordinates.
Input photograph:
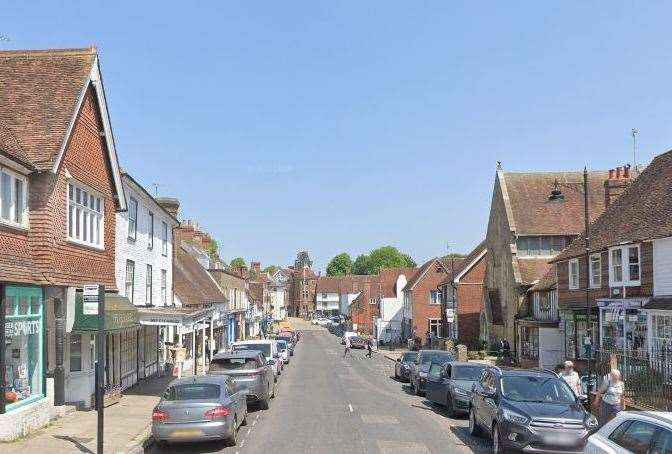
(138, 250)
(391, 313)
(327, 301)
(346, 300)
(550, 347)
(662, 266)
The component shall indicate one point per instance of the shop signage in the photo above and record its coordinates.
(22, 327)
(90, 299)
(450, 315)
(620, 303)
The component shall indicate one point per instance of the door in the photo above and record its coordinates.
(433, 386)
(489, 406)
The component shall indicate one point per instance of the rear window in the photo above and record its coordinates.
(467, 373)
(263, 348)
(436, 357)
(233, 364)
(193, 391)
(284, 338)
(409, 357)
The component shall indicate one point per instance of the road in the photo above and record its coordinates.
(330, 404)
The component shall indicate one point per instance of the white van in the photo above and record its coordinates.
(268, 347)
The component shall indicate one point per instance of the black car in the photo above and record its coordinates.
(530, 411)
(450, 384)
(419, 368)
(402, 367)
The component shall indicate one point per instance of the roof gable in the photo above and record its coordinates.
(466, 263)
(193, 284)
(422, 271)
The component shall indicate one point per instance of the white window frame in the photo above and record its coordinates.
(573, 280)
(150, 230)
(164, 287)
(13, 178)
(149, 285)
(625, 266)
(437, 300)
(132, 280)
(595, 283)
(434, 323)
(90, 212)
(132, 218)
(164, 239)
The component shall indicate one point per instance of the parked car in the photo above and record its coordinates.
(633, 432)
(322, 321)
(284, 350)
(528, 410)
(402, 367)
(357, 342)
(200, 408)
(250, 371)
(417, 375)
(268, 347)
(450, 384)
(346, 335)
(290, 343)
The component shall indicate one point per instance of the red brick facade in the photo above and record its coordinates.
(428, 278)
(469, 294)
(362, 312)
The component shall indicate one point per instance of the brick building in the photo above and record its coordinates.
(302, 289)
(60, 188)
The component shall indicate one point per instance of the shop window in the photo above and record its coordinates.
(75, 353)
(23, 367)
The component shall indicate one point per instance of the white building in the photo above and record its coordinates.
(144, 274)
(388, 325)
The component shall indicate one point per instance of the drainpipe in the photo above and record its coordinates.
(59, 370)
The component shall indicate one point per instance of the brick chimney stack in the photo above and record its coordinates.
(170, 204)
(255, 266)
(618, 181)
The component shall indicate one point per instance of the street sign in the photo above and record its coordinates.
(91, 299)
(450, 315)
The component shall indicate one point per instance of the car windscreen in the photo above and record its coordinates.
(466, 373)
(536, 389)
(408, 357)
(436, 357)
(263, 348)
(193, 391)
(222, 364)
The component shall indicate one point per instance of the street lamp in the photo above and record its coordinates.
(557, 197)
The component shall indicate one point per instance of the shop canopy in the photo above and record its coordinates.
(175, 316)
(120, 314)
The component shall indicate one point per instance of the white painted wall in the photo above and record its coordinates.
(345, 301)
(327, 301)
(278, 303)
(550, 347)
(138, 250)
(662, 266)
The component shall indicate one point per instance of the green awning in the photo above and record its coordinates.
(120, 314)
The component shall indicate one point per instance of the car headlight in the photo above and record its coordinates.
(514, 417)
(460, 392)
(591, 422)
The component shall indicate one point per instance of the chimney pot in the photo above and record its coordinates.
(626, 171)
(618, 172)
(612, 173)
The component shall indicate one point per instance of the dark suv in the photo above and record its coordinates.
(530, 411)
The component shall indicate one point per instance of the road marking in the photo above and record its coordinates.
(242, 443)
(254, 423)
(350, 407)
(379, 419)
(256, 417)
(248, 431)
(401, 447)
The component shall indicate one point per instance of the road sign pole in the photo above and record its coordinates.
(100, 368)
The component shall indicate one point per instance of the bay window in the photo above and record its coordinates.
(13, 199)
(595, 271)
(624, 266)
(574, 274)
(85, 216)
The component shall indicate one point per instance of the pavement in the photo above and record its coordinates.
(328, 404)
(126, 426)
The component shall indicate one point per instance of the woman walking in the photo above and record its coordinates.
(610, 397)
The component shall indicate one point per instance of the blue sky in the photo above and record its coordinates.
(343, 126)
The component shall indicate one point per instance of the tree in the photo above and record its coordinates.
(238, 262)
(271, 269)
(302, 260)
(340, 265)
(361, 265)
(410, 263)
(213, 247)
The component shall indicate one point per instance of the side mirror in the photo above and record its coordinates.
(582, 398)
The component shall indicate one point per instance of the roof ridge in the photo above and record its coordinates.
(36, 53)
(551, 172)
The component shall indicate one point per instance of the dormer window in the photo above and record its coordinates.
(13, 199)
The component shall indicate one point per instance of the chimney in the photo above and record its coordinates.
(619, 180)
(255, 266)
(170, 204)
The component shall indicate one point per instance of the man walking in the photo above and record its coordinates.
(571, 377)
(347, 347)
(369, 348)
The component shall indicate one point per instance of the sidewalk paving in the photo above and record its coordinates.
(392, 355)
(127, 426)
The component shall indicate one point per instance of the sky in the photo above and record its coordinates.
(333, 126)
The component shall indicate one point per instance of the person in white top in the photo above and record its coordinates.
(571, 377)
(610, 397)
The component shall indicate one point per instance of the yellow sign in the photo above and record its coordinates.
(180, 354)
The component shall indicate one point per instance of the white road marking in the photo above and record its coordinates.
(248, 431)
(254, 423)
(242, 443)
(350, 407)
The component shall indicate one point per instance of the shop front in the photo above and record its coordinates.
(578, 336)
(23, 402)
(623, 326)
(659, 321)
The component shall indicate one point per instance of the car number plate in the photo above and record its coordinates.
(187, 433)
(559, 439)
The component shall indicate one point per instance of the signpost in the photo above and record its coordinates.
(94, 304)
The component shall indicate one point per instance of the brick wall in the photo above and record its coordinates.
(469, 294)
(362, 311)
(421, 309)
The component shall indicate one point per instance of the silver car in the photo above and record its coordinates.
(201, 408)
(250, 371)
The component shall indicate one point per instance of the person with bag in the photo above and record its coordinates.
(610, 397)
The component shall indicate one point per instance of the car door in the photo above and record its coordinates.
(477, 396)
(433, 385)
(636, 438)
(490, 400)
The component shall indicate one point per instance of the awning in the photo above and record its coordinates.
(659, 303)
(120, 314)
(174, 316)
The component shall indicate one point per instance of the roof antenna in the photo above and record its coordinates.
(499, 165)
(156, 189)
(634, 133)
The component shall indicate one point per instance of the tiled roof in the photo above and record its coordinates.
(643, 211)
(193, 284)
(532, 269)
(389, 276)
(533, 213)
(463, 262)
(547, 282)
(257, 292)
(350, 283)
(39, 91)
(422, 270)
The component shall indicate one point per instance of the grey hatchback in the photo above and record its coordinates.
(250, 371)
(200, 408)
(419, 368)
(450, 384)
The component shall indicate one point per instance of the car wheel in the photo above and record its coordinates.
(473, 425)
(273, 393)
(450, 409)
(496, 445)
(244, 421)
(233, 439)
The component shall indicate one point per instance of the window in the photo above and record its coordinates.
(628, 273)
(435, 326)
(75, 352)
(85, 216)
(148, 286)
(130, 279)
(663, 443)
(164, 238)
(132, 218)
(574, 274)
(434, 297)
(164, 286)
(546, 245)
(373, 301)
(13, 197)
(636, 437)
(595, 271)
(150, 231)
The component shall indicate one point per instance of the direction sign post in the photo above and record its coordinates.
(94, 304)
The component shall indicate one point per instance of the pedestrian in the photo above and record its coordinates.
(347, 347)
(610, 397)
(571, 377)
(369, 348)
(428, 339)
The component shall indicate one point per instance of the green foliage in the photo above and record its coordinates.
(383, 257)
(410, 263)
(361, 265)
(271, 269)
(213, 248)
(238, 262)
(455, 255)
(340, 265)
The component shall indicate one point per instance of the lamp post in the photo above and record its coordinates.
(557, 196)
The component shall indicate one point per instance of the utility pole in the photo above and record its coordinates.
(634, 133)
